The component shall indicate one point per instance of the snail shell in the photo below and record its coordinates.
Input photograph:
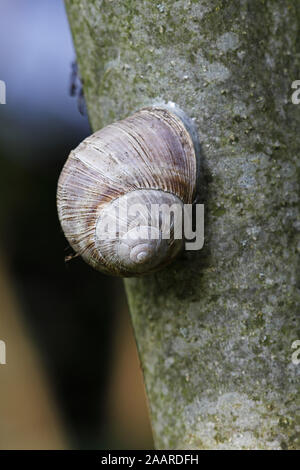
(146, 159)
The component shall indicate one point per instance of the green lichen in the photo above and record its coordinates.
(214, 330)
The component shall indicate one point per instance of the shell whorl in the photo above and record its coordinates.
(148, 157)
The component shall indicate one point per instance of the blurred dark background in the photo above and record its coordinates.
(72, 378)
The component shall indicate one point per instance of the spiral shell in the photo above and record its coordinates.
(148, 158)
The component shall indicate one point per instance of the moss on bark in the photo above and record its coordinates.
(215, 329)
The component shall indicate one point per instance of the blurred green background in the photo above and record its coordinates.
(72, 378)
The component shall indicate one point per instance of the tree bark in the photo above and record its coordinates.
(215, 329)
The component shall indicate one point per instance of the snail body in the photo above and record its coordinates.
(145, 160)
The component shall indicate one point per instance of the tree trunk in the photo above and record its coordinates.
(215, 329)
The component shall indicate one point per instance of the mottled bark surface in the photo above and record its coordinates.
(215, 329)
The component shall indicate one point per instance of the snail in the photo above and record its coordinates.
(147, 160)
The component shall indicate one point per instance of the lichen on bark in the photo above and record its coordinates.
(215, 329)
